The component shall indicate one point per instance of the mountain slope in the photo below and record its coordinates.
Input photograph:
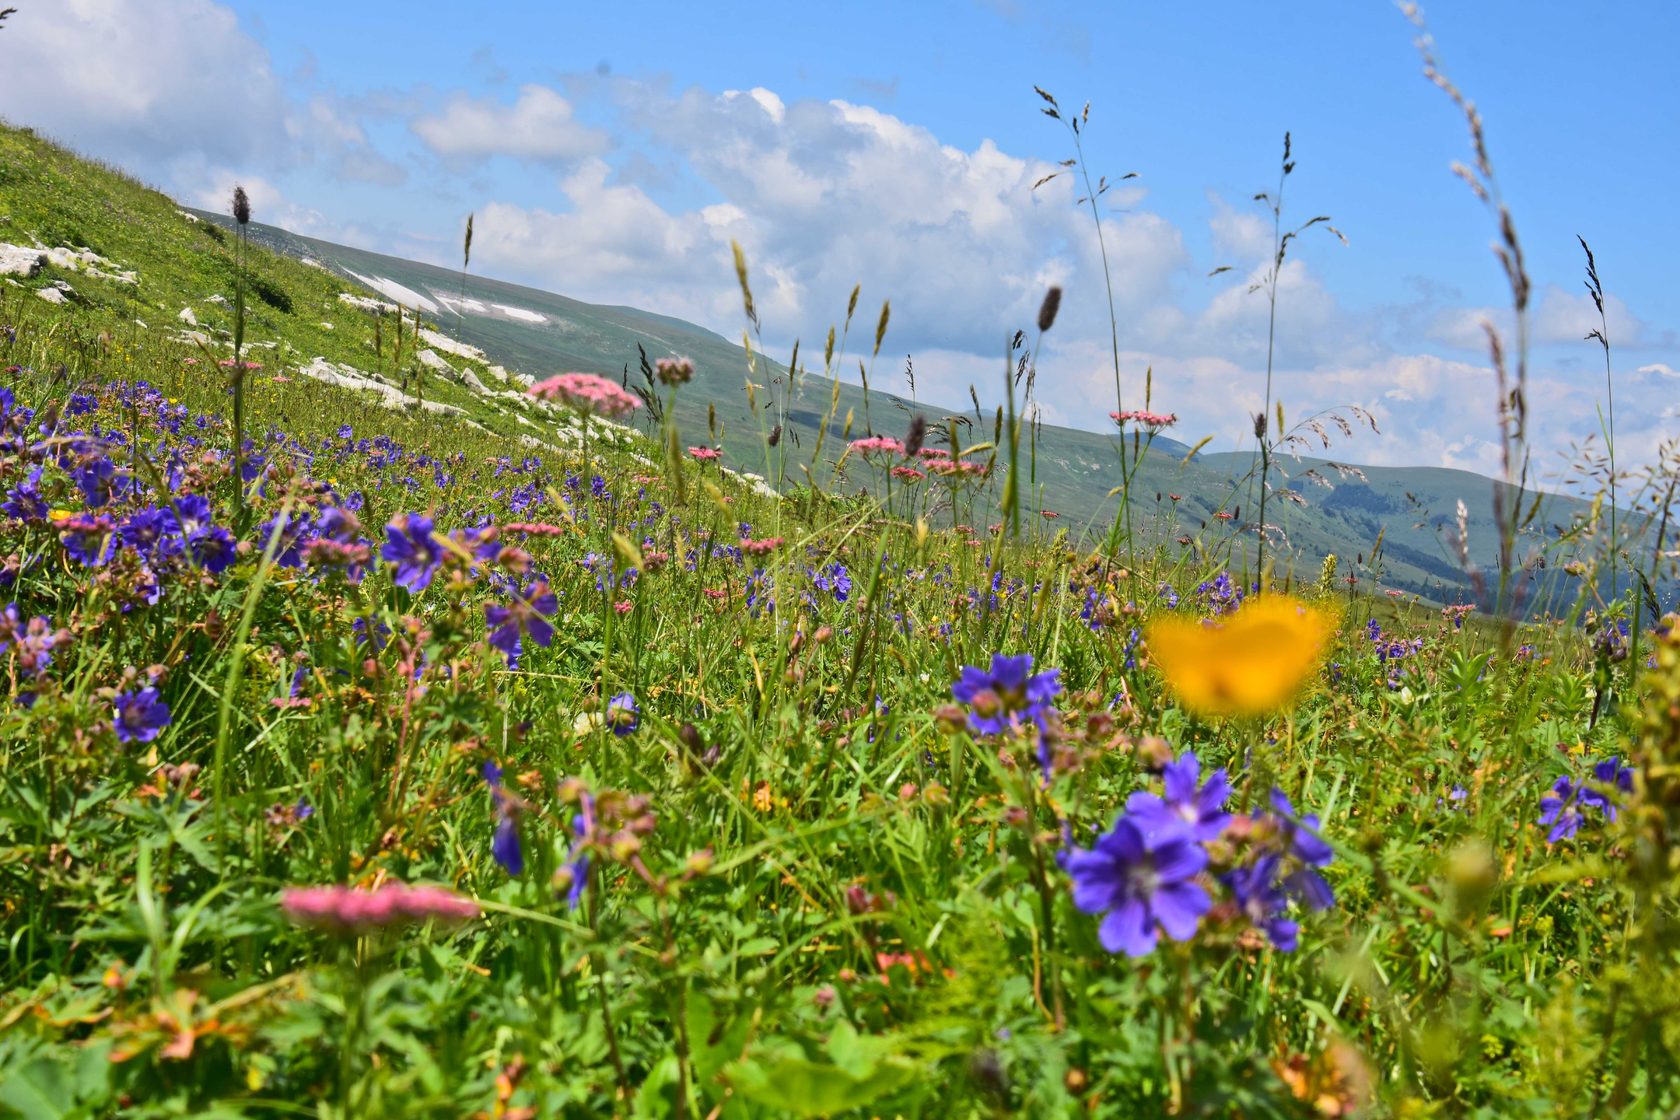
(310, 318)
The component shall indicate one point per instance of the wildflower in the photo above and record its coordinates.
(877, 445)
(1144, 419)
(139, 715)
(504, 844)
(1609, 773)
(409, 545)
(1559, 810)
(89, 540)
(573, 875)
(585, 393)
(1257, 893)
(528, 613)
(1139, 881)
(834, 578)
(703, 454)
(1302, 844)
(674, 371)
(1201, 810)
(354, 910)
(1251, 662)
(1008, 695)
(623, 716)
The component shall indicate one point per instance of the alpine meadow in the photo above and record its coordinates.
(426, 695)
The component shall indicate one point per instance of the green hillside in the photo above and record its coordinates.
(315, 314)
(1332, 509)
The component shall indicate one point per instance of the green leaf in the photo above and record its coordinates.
(40, 1090)
(790, 1083)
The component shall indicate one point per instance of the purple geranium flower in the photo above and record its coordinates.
(1559, 810)
(528, 613)
(409, 545)
(1139, 881)
(1008, 695)
(88, 540)
(504, 844)
(1258, 894)
(1301, 841)
(139, 715)
(623, 716)
(1612, 774)
(1202, 809)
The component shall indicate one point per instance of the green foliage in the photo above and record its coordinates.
(811, 888)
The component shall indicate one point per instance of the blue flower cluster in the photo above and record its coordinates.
(1151, 870)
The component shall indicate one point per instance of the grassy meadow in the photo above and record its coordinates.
(418, 741)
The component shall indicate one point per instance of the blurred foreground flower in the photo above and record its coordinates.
(1250, 662)
(353, 909)
(585, 392)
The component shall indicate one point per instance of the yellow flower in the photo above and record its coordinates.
(1251, 662)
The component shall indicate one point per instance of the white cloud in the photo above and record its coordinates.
(538, 125)
(1241, 237)
(151, 82)
(1568, 317)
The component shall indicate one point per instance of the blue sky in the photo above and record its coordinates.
(611, 152)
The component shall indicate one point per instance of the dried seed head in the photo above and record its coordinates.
(917, 435)
(241, 206)
(1047, 310)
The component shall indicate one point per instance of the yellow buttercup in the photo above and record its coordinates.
(1248, 663)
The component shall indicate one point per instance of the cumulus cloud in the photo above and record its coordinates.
(538, 125)
(143, 82)
(827, 194)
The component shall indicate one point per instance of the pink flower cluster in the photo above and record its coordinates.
(763, 546)
(1144, 418)
(939, 462)
(585, 392)
(704, 454)
(354, 909)
(674, 371)
(535, 528)
(878, 445)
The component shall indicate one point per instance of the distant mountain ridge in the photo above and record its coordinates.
(1344, 510)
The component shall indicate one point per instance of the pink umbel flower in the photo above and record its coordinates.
(1144, 418)
(585, 392)
(674, 371)
(704, 454)
(357, 910)
(878, 445)
(762, 546)
(908, 474)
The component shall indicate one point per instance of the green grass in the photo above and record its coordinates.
(814, 889)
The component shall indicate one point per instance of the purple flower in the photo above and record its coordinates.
(528, 613)
(1257, 892)
(150, 529)
(577, 869)
(1559, 810)
(623, 716)
(409, 545)
(1201, 810)
(139, 715)
(504, 844)
(1008, 695)
(89, 540)
(25, 502)
(1139, 881)
(1610, 773)
(1302, 843)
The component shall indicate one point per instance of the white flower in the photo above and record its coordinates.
(587, 722)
